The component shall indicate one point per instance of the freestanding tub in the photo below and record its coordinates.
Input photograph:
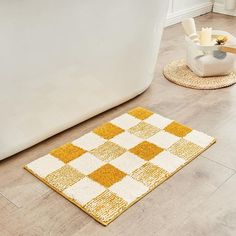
(62, 62)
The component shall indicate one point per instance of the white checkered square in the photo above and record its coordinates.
(86, 163)
(163, 139)
(167, 161)
(158, 121)
(89, 141)
(125, 121)
(129, 189)
(126, 140)
(128, 162)
(84, 191)
(45, 165)
(199, 138)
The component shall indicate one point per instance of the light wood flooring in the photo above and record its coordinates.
(199, 200)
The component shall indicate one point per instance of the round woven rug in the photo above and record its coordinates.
(179, 73)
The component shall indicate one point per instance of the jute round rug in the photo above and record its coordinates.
(179, 73)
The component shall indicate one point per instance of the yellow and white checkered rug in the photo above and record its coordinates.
(107, 170)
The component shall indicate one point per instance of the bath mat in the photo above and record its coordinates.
(107, 170)
(178, 72)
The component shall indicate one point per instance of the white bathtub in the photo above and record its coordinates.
(62, 62)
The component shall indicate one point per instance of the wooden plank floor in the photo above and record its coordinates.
(199, 200)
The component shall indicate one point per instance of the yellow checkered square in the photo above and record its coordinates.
(146, 150)
(185, 149)
(140, 113)
(64, 177)
(106, 206)
(150, 175)
(67, 152)
(108, 130)
(108, 151)
(144, 130)
(107, 175)
(177, 129)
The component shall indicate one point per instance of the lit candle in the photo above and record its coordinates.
(205, 36)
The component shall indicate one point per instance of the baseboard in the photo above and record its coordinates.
(220, 8)
(200, 9)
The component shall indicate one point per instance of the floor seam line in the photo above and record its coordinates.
(9, 200)
(209, 196)
(218, 163)
(226, 180)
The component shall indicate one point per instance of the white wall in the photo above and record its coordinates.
(179, 9)
(220, 8)
(185, 4)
